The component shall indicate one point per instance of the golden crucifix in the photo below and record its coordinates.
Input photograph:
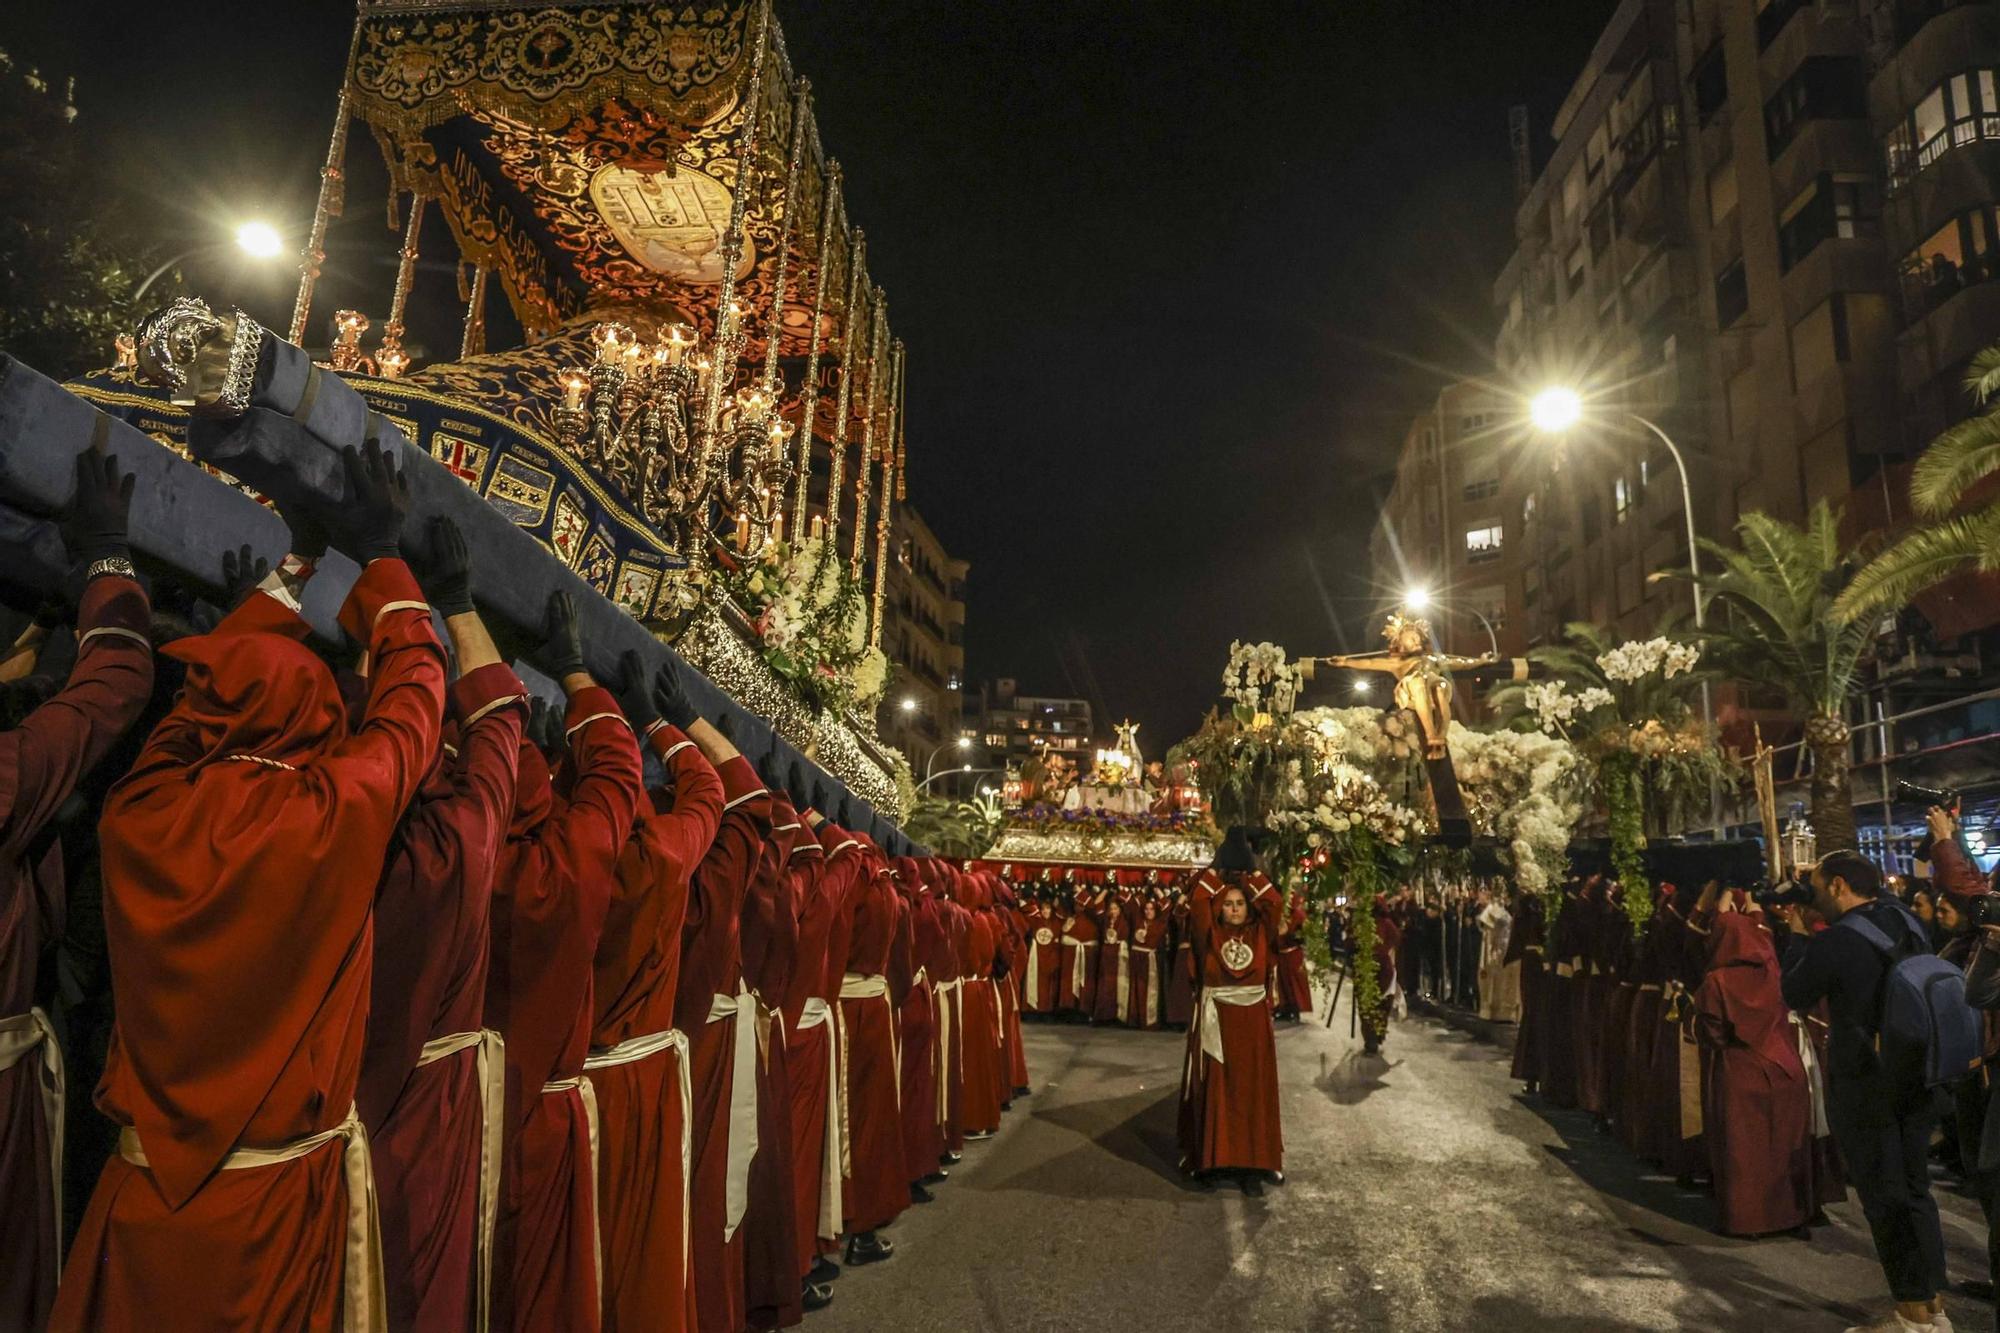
(1422, 674)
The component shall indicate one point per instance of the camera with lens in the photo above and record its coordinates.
(1942, 797)
(1782, 894)
(1983, 909)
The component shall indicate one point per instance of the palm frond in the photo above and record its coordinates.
(1917, 562)
(1953, 463)
(1982, 375)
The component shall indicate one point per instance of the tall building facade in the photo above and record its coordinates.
(1012, 727)
(923, 633)
(1765, 227)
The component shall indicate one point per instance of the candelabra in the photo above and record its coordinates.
(639, 414)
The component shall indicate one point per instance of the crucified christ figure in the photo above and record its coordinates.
(1422, 675)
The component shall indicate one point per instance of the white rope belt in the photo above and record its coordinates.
(490, 1067)
(742, 1007)
(1031, 991)
(20, 1035)
(631, 1051)
(1124, 980)
(818, 1013)
(363, 1305)
(588, 1095)
(946, 994)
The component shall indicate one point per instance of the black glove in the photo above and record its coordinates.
(368, 524)
(795, 783)
(94, 527)
(561, 653)
(545, 725)
(445, 572)
(670, 696)
(634, 699)
(242, 571)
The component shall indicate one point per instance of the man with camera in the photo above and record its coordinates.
(1881, 1110)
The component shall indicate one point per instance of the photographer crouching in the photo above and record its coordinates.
(1879, 1089)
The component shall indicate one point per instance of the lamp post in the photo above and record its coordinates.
(930, 762)
(1554, 412)
(966, 768)
(258, 240)
(1419, 599)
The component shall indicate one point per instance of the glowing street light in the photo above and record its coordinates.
(1556, 409)
(1362, 688)
(1417, 598)
(909, 705)
(965, 742)
(259, 240)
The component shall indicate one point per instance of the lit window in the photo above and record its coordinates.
(1482, 544)
(1621, 500)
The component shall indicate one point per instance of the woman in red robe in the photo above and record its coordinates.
(771, 1292)
(1077, 982)
(42, 762)
(240, 859)
(1294, 989)
(638, 1062)
(982, 1093)
(1041, 980)
(1229, 1083)
(1149, 937)
(1758, 1116)
(809, 1046)
(1114, 954)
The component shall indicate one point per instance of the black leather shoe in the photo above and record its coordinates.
(1253, 1188)
(937, 1177)
(816, 1298)
(918, 1194)
(952, 1158)
(867, 1248)
(824, 1270)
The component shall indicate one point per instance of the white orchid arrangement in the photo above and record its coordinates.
(1258, 678)
(1525, 788)
(1637, 658)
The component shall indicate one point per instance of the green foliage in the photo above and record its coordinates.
(66, 268)
(1626, 821)
(953, 828)
(1777, 628)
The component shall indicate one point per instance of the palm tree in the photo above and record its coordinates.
(1777, 629)
(954, 828)
(1956, 461)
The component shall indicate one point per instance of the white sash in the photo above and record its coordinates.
(741, 1006)
(1153, 985)
(588, 1096)
(20, 1035)
(947, 998)
(818, 1013)
(1209, 1023)
(1079, 967)
(491, 1070)
(1124, 981)
(363, 1302)
(1033, 987)
(1815, 1077)
(632, 1050)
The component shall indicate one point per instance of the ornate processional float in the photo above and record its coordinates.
(705, 423)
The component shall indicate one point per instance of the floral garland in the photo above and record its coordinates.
(1527, 789)
(1626, 820)
(810, 616)
(1047, 818)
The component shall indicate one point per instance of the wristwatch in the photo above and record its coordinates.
(111, 564)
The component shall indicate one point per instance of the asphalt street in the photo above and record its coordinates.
(1424, 1193)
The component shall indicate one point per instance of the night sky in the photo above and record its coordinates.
(1173, 277)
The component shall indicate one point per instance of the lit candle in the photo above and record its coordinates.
(818, 526)
(573, 385)
(613, 340)
(743, 532)
(679, 338)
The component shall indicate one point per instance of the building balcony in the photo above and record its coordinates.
(1940, 343)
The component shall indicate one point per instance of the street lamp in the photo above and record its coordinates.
(1362, 688)
(256, 239)
(963, 742)
(952, 772)
(908, 704)
(1419, 599)
(1556, 410)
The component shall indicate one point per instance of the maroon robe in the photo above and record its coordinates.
(951, 1022)
(427, 1119)
(1113, 948)
(923, 1133)
(1076, 983)
(1229, 1106)
(771, 1291)
(982, 1071)
(809, 1046)
(1294, 987)
(240, 857)
(642, 1126)
(876, 1187)
(1045, 960)
(1149, 937)
(711, 972)
(1528, 946)
(1016, 953)
(41, 763)
(551, 896)
(1759, 1110)
(1180, 967)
